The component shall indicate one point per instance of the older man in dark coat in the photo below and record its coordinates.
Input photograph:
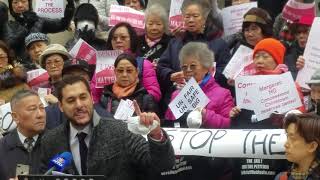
(20, 149)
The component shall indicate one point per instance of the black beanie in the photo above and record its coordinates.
(15, 15)
(86, 11)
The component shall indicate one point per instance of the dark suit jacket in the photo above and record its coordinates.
(113, 152)
(12, 152)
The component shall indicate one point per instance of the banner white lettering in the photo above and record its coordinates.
(311, 55)
(105, 69)
(242, 143)
(175, 15)
(233, 17)
(38, 78)
(82, 50)
(126, 14)
(189, 98)
(50, 8)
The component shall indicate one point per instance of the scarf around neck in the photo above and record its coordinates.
(121, 92)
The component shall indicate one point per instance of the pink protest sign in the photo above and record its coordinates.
(82, 50)
(175, 15)
(38, 78)
(126, 14)
(104, 69)
(294, 10)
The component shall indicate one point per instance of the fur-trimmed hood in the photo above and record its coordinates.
(11, 76)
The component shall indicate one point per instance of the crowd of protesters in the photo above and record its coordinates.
(151, 70)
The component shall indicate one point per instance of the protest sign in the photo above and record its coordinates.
(277, 93)
(38, 78)
(104, 69)
(50, 8)
(125, 110)
(126, 14)
(294, 10)
(266, 94)
(233, 17)
(175, 14)
(82, 50)
(6, 121)
(189, 98)
(311, 55)
(242, 143)
(241, 58)
(43, 92)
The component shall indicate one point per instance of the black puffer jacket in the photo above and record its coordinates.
(110, 102)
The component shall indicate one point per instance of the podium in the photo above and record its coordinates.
(50, 177)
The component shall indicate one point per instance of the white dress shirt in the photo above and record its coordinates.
(23, 138)
(74, 144)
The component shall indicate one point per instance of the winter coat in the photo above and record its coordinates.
(113, 151)
(103, 8)
(169, 61)
(110, 102)
(146, 74)
(12, 80)
(19, 29)
(152, 53)
(12, 152)
(217, 111)
(291, 57)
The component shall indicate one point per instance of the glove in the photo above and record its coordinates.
(85, 34)
(30, 18)
(194, 119)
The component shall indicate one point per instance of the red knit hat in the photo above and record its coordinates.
(273, 47)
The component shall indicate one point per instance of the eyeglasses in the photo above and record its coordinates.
(55, 63)
(122, 38)
(190, 67)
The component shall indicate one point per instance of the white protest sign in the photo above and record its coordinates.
(38, 78)
(50, 8)
(82, 50)
(126, 14)
(242, 143)
(311, 55)
(277, 93)
(43, 92)
(242, 85)
(125, 110)
(175, 15)
(266, 94)
(189, 98)
(104, 69)
(6, 121)
(233, 17)
(241, 58)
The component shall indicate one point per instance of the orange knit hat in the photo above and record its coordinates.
(273, 47)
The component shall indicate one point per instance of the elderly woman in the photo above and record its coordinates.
(155, 41)
(268, 57)
(196, 61)
(126, 86)
(169, 67)
(257, 25)
(302, 147)
(52, 59)
(12, 76)
(123, 37)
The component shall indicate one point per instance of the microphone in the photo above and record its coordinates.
(59, 162)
